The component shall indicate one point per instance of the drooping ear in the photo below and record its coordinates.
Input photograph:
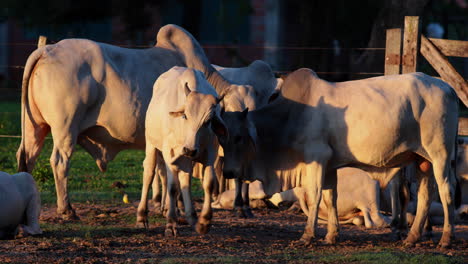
(219, 128)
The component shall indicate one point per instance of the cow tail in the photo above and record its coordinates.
(25, 110)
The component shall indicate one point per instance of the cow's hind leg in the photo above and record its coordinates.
(31, 145)
(149, 165)
(423, 203)
(64, 143)
(445, 176)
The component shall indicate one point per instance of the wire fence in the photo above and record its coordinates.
(213, 50)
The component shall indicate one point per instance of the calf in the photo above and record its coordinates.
(20, 205)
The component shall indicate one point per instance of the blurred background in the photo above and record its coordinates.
(339, 39)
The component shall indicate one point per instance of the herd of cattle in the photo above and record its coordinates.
(330, 147)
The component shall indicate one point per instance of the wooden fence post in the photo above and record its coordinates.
(42, 41)
(393, 51)
(445, 69)
(410, 44)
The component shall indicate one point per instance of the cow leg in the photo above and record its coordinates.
(164, 200)
(329, 198)
(204, 220)
(445, 175)
(33, 210)
(31, 145)
(313, 187)
(156, 187)
(172, 184)
(185, 180)
(423, 203)
(60, 163)
(238, 201)
(246, 201)
(149, 165)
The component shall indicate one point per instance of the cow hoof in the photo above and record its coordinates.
(330, 239)
(443, 245)
(238, 212)
(69, 215)
(202, 229)
(170, 231)
(142, 224)
(305, 240)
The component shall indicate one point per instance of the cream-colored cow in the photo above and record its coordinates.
(316, 127)
(20, 205)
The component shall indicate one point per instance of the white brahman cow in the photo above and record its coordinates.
(182, 122)
(316, 127)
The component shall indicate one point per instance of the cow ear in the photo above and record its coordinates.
(219, 128)
(187, 89)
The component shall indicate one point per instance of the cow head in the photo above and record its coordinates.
(200, 116)
(239, 149)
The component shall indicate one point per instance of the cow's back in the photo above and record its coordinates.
(98, 82)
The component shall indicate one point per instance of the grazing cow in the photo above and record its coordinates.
(182, 121)
(316, 127)
(20, 205)
(96, 95)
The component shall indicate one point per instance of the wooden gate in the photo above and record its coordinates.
(404, 59)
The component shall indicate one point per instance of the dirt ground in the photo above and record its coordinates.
(106, 234)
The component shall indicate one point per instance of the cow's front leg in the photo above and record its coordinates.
(246, 200)
(204, 220)
(238, 201)
(313, 188)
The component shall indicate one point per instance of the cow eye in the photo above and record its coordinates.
(184, 116)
